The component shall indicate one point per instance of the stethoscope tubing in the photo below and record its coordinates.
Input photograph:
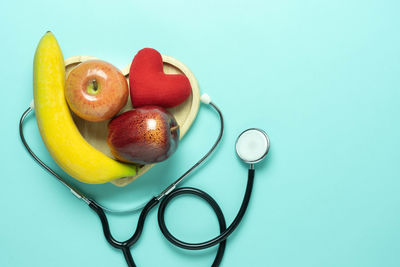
(194, 191)
(220, 239)
(163, 199)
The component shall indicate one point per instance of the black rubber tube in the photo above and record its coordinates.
(125, 245)
(214, 205)
(225, 232)
(220, 239)
(128, 257)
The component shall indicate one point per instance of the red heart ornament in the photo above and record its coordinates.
(149, 85)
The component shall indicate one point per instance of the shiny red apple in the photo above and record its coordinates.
(144, 135)
(96, 90)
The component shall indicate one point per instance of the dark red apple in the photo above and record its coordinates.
(96, 90)
(144, 135)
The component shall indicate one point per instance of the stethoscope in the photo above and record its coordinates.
(252, 146)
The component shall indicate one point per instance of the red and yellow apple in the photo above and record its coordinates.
(145, 135)
(96, 90)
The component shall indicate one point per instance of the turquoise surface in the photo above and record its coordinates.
(321, 77)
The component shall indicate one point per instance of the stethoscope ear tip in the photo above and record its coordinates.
(252, 146)
(205, 99)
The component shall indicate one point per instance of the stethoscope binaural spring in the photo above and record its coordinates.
(252, 146)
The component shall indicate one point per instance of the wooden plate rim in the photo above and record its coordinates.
(186, 124)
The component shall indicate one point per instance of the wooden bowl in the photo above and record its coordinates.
(96, 132)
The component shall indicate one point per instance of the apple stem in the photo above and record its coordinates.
(95, 85)
(174, 128)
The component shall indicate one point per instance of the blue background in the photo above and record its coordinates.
(321, 77)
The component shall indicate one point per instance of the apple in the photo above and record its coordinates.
(144, 135)
(96, 90)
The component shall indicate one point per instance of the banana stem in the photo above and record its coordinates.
(174, 128)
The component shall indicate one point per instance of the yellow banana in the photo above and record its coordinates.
(57, 128)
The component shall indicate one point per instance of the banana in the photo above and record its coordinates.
(57, 128)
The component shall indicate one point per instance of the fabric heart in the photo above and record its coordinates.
(149, 85)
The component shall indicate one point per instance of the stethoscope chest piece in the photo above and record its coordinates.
(252, 145)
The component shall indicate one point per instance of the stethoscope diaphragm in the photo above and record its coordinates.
(252, 145)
